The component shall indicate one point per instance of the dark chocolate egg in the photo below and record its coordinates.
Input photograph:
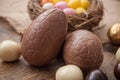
(43, 39)
(96, 75)
(84, 49)
(117, 71)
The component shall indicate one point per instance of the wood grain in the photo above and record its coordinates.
(21, 70)
(7, 32)
(108, 65)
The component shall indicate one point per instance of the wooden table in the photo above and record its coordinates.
(21, 70)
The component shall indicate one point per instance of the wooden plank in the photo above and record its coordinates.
(7, 32)
(21, 70)
(108, 65)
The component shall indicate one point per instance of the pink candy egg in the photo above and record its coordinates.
(61, 5)
(69, 11)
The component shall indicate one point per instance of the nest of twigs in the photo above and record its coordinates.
(87, 20)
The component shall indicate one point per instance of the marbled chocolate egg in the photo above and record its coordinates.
(44, 37)
(84, 49)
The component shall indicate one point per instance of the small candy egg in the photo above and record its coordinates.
(117, 55)
(85, 4)
(48, 6)
(74, 4)
(80, 10)
(69, 72)
(61, 5)
(9, 50)
(45, 1)
(55, 1)
(69, 11)
(67, 1)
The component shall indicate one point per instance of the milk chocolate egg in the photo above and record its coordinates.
(44, 37)
(84, 49)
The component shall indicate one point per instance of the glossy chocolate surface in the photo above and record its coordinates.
(96, 75)
(117, 71)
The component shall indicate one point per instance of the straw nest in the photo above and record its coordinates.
(87, 20)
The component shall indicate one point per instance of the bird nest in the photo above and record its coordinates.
(87, 20)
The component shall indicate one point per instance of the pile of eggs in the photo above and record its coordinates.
(69, 7)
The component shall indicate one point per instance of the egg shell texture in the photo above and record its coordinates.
(84, 49)
(44, 37)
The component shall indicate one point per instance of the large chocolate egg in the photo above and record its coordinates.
(44, 37)
(84, 49)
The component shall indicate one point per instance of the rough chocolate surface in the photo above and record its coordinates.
(84, 49)
(44, 37)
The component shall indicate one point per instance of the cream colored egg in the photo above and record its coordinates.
(9, 50)
(69, 72)
(48, 6)
(117, 55)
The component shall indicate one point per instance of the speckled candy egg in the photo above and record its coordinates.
(85, 4)
(61, 5)
(67, 1)
(74, 4)
(69, 11)
(48, 6)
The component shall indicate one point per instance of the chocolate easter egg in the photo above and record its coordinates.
(44, 37)
(117, 71)
(84, 49)
(96, 75)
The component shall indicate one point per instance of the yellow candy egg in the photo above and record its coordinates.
(74, 4)
(67, 1)
(80, 10)
(85, 4)
(55, 1)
